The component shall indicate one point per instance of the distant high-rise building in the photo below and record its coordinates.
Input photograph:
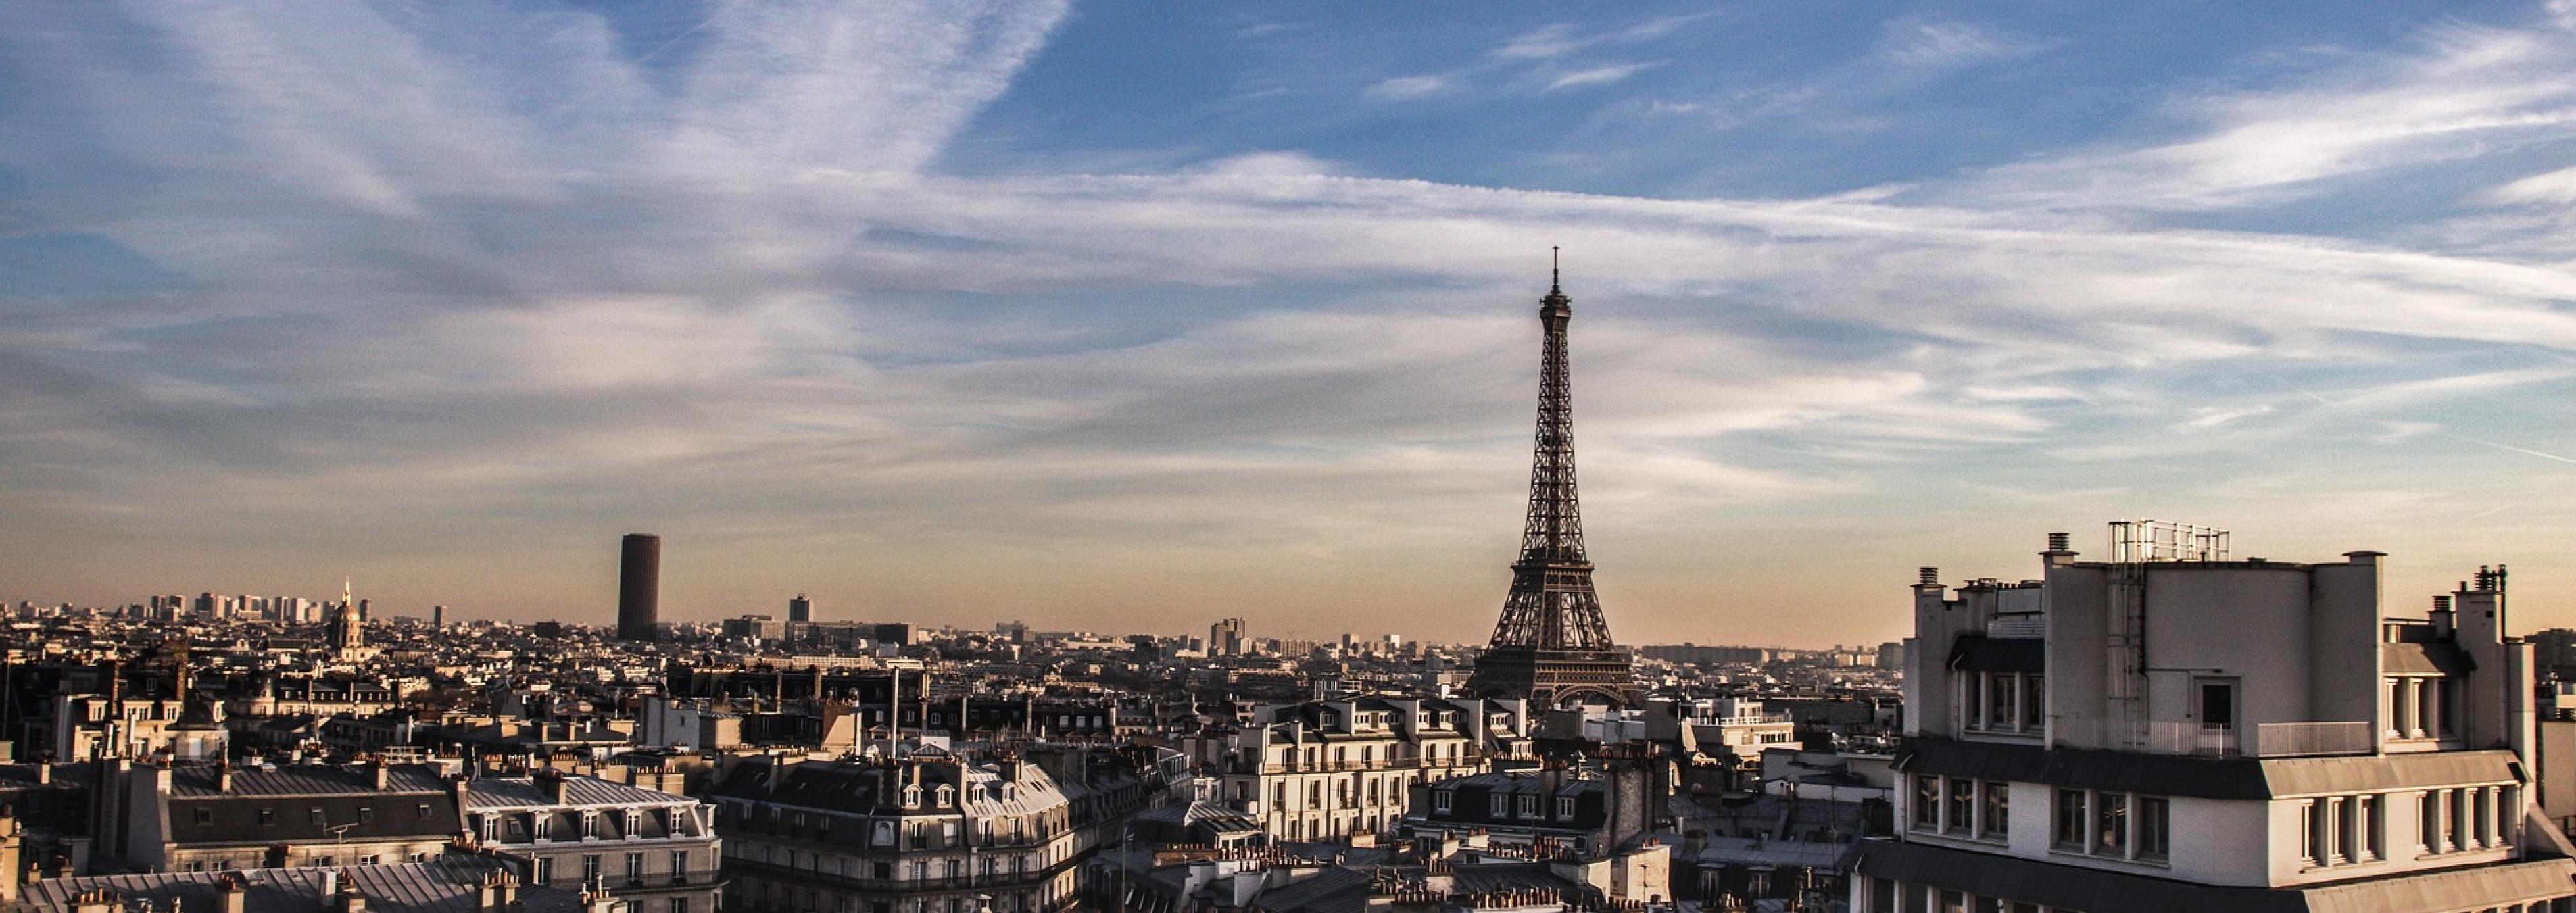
(800, 609)
(438, 616)
(639, 587)
(1551, 645)
(1225, 638)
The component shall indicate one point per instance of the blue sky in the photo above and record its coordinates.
(1131, 315)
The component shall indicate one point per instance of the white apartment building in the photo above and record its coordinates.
(2174, 730)
(1324, 770)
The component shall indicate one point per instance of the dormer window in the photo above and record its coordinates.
(912, 797)
(1440, 800)
(1565, 807)
(947, 796)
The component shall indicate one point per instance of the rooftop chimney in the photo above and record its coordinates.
(376, 771)
(230, 894)
(223, 776)
(2060, 542)
(498, 892)
(551, 781)
(1930, 576)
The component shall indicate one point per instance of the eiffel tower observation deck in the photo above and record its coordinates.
(1552, 646)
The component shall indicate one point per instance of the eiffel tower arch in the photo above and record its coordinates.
(1552, 645)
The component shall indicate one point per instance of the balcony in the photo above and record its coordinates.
(2261, 740)
(2284, 740)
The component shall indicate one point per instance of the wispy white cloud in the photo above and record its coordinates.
(746, 305)
(1595, 76)
(1550, 41)
(1921, 43)
(1401, 87)
(2466, 92)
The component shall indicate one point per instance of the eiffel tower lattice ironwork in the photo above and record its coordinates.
(1552, 643)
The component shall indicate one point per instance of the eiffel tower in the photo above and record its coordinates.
(1551, 645)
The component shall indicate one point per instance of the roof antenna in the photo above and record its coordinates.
(1554, 274)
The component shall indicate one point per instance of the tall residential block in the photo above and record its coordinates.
(639, 586)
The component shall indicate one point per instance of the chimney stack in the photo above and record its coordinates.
(230, 894)
(376, 771)
(498, 892)
(1930, 576)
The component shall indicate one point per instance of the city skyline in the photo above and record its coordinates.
(1121, 318)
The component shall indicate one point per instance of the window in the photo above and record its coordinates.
(314, 815)
(1963, 803)
(2340, 830)
(679, 905)
(2000, 691)
(2070, 819)
(545, 869)
(1565, 806)
(205, 816)
(2429, 817)
(1972, 699)
(1927, 802)
(1529, 806)
(2371, 818)
(634, 869)
(590, 868)
(2111, 824)
(2312, 846)
(2482, 800)
(1440, 799)
(366, 813)
(267, 815)
(2034, 693)
(421, 811)
(2217, 706)
(2154, 828)
(1996, 818)
(368, 859)
(1501, 806)
(679, 867)
(2455, 826)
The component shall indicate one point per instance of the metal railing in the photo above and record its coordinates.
(2262, 740)
(2277, 740)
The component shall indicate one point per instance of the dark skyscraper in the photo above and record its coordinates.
(800, 608)
(639, 587)
(1552, 645)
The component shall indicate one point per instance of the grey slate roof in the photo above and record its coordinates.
(306, 780)
(2208, 778)
(2093, 891)
(524, 792)
(1999, 654)
(443, 886)
(1334, 890)
(2162, 775)
(2424, 659)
